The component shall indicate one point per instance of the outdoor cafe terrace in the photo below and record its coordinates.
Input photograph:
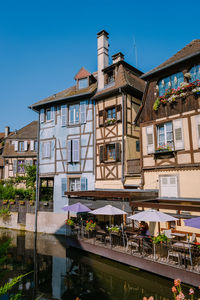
(172, 254)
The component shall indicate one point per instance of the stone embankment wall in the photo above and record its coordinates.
(48, 222)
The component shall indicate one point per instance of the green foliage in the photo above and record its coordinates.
(31, 176)
(9, 285)
(113, 229)
(90, 225)
(161, 238)
(156, 104)
(4, 212)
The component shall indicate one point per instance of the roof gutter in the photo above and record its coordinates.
(146, 75)
(33, 107)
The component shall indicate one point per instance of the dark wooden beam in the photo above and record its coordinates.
(195, 208)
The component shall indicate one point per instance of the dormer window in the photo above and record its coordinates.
(83, 83)
(110, 77)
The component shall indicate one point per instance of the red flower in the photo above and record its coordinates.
(177, 282)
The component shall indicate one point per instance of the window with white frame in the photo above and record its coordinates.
(171, 82)
(46, 149)
(74, 184)
(83, 83)
(73, 114)
(48, 114)
(20, 166)
(20, 146)
(165, 136)
(195, 73)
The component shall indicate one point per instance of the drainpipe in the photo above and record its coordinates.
(37, 174)
(122, 176)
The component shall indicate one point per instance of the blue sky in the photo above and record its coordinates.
(43, 43)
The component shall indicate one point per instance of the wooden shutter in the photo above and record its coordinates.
(198, 129)
(42, 115)
(75, 150)
(83, 112)
(25, 145)
(52, 148)
(119, 112)
(63, 115)
(69, 151)
(178, 134)
(32, 145)
(150, 139)
(118, 151)
(101, 154)
(16, 146)
(84, 184)
(63, 186)
(14, 166)
(101, 118)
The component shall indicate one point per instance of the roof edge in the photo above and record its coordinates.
(148, 74)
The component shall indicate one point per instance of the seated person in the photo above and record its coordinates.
(144, 229)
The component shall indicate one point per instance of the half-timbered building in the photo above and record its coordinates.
(66, 139)
(117, 102)
(20, 150)
(170, 125)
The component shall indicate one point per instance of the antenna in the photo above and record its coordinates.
(135, 50)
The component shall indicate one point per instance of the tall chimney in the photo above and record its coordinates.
(102, 56)
(7, 131)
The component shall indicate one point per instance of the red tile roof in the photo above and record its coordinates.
(82, 73)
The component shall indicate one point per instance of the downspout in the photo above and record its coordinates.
(122, 176)
(37, 174)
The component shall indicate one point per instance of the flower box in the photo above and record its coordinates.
(21, 202)
(12, 202)
(5, 202)
(164, 154)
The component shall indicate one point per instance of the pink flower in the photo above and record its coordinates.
(177, 282)
(145, 298)
(174, 290)
(191, 291)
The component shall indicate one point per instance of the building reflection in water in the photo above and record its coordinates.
(62, 273)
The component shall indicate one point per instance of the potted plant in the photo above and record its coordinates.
(90, 225)
(5, 202)
(12, 201)
(21, 202)
(31, 202)
(113, 229)
(159, 239)
(69, 222)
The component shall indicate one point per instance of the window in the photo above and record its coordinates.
(168, 186)
(74, 184)
(137, 146)
(195, 73)
(110, 152)
(111, 113)
(35, 145)
(110, 149)
(73, 151)
(20, 166)
(21, 146)
(165, 136)
(74, 114)
(48, 114)
(46, 150)
(110, 77)
(171, 82)
(83, 83)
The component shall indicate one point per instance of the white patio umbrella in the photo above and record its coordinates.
(152, 215)
(108, 210)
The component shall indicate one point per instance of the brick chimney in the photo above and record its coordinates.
(117, 57)
(7, 131)
(102, 56)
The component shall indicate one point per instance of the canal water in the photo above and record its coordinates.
(58, 272)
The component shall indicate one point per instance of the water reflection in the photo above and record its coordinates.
(61, 273)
